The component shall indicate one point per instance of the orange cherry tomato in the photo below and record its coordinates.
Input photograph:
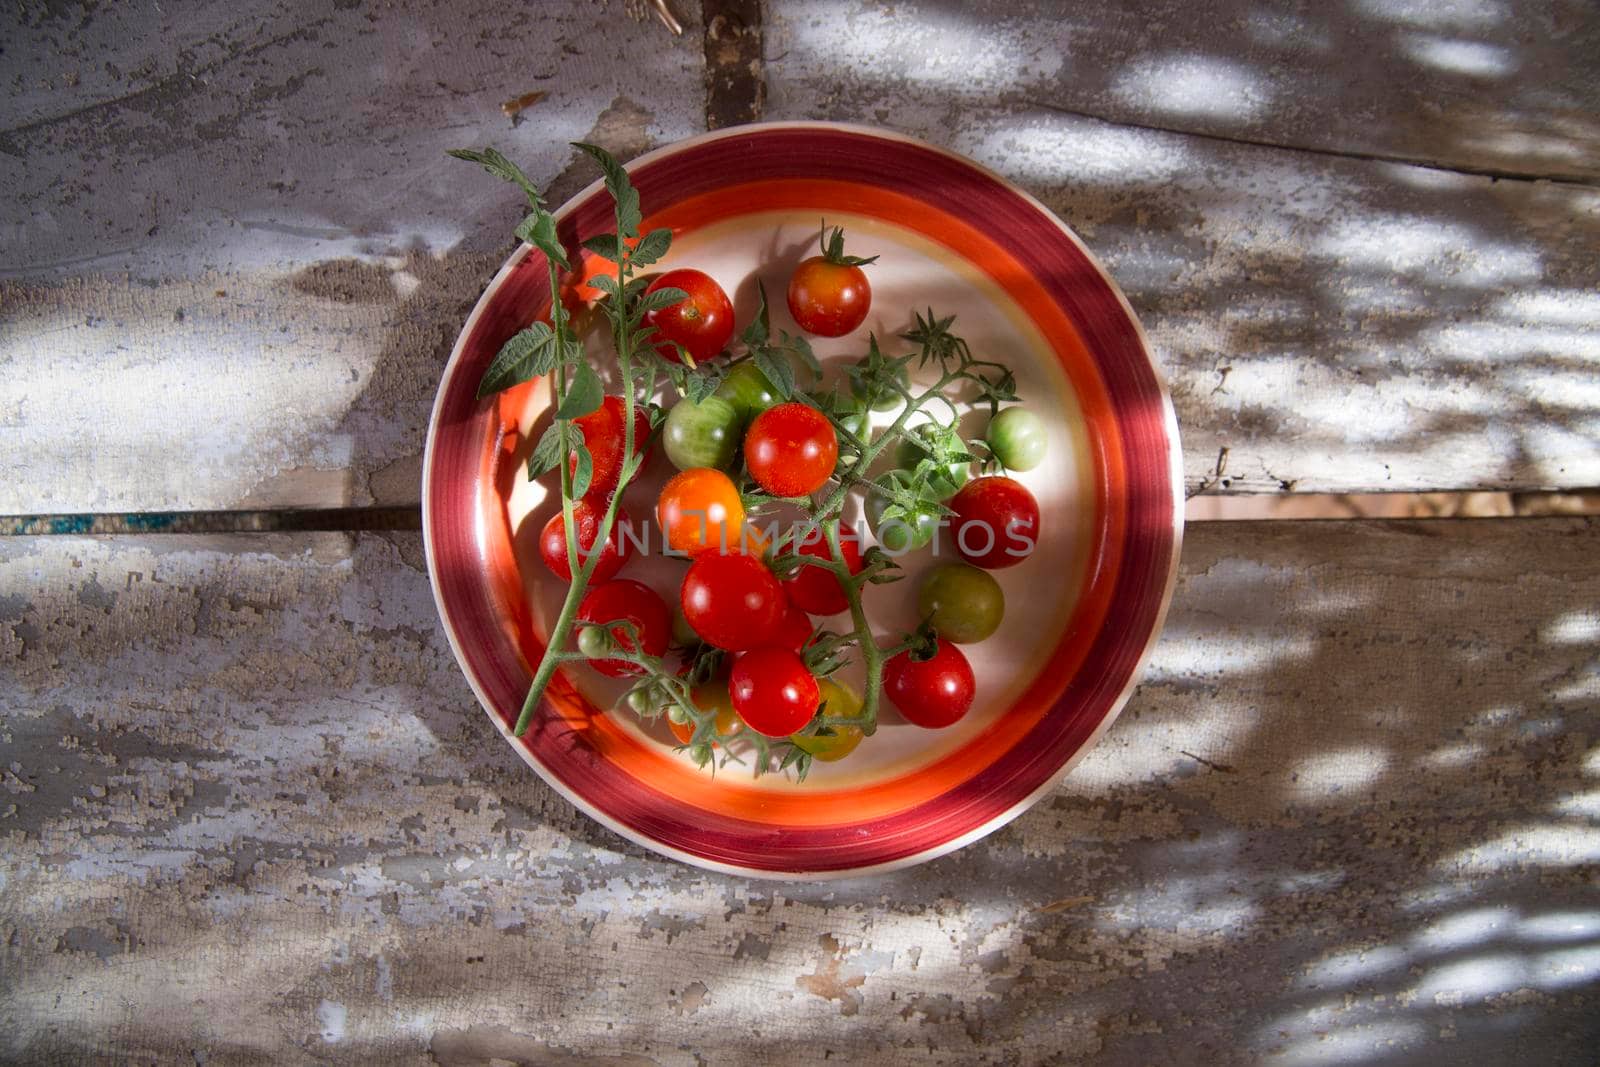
(699, 510)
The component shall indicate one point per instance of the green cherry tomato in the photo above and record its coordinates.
(748, 390)
(882, 399)
(945, 483)
(1017, 437)
(839, 741)
(904, 533)
(701, 435)
(963, 603)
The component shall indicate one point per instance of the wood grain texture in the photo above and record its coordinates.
(237, 256)
(1486, 87)
(252, 814)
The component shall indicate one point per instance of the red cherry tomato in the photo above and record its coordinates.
(829, 299)
(586, 521)
(814, 589)
(702, 324)
(773, 692)
(732, 601)
(623, 598)
(933, 692)
(603, 437)
(793, 631)
(791, 449)
(996, 522)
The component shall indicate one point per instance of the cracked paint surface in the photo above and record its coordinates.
(251, 812)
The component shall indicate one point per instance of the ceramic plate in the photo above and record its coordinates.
(1082, 612)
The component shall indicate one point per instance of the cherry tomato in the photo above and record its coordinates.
(791, 450)
(625, 599)
(1018, 439)
(932, 692)
(996, 523)
(732, 600)
(773, 692)
(794, 630)
(902, 533)
(701, 435)
(945, 482)
(829, 294)
(709, 696)
(748, 390)
(586, 516)
(838, 702)
(700, 509)
(603, 437)
(815, 590)
(702, 324)
(961, 602)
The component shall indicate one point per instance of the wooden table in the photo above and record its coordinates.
(252, 812)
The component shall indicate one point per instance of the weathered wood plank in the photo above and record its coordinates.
(230, 286)
(251, 814)
(1484, 87)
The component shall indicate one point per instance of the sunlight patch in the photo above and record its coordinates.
(1192, 85)
(1333, 773)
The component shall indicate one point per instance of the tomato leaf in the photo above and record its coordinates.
(606, 246)
(502, 168)
(651, 247)
(760, 329)
(525, 355)
(802, 348)
(702, 382)
(539, 230)
(547, 453)
(777, 370)
(584, 393)
(659, 298)
(583, 474)
(620, 188)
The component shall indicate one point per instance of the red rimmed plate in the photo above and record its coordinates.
(1082, 612)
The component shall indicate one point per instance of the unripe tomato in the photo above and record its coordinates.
(961, 602)
(773, 692)
(748, 390)
(702, 324)
(701, 435)
(791, 450)
(586, 516)
(838, 701)
(635, 602)
(1018, 439)
(732, 600)
(709, 696)
(996, 523)
(933, 692)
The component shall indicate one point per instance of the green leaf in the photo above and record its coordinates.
(539, 230)
(605, 283)
(584, 394)
(777, 370)
(527, 354)
(659, 298)
(547, 453)
(802, 348)
(651, 247)
(760, 329)
(702, 382)
(621, 189)
(583, 475)
(501, 167)
(606, 246)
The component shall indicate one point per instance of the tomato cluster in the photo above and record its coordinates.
(773, 679)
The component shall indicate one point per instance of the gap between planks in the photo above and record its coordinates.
(1288, 507)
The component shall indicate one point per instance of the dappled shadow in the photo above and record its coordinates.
(1377, 838)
